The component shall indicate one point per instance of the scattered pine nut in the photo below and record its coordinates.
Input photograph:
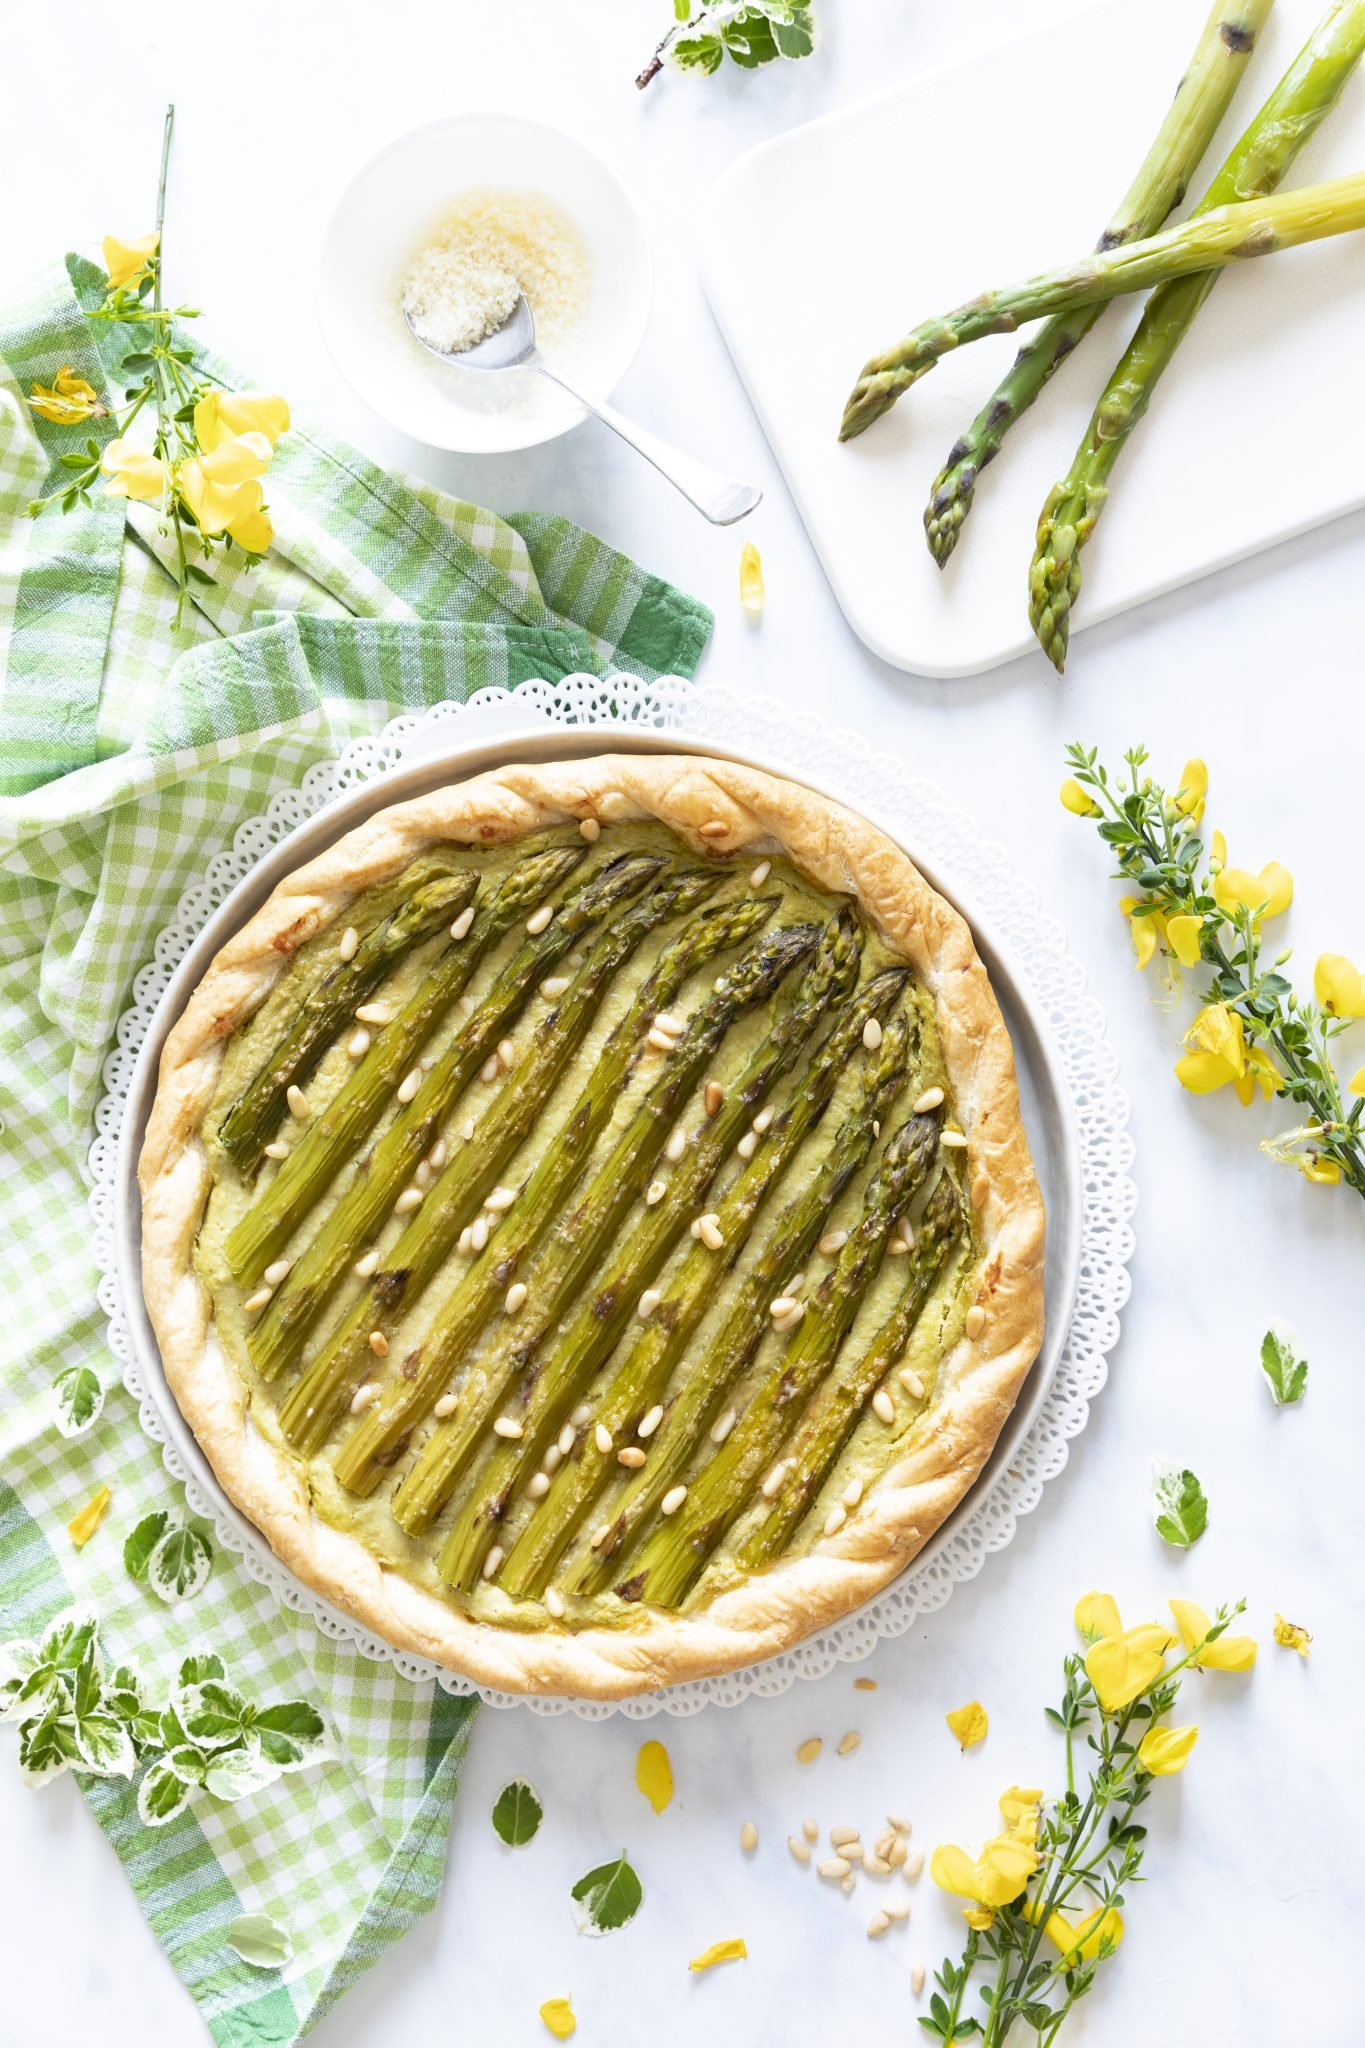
(872, 1034)
(582, 1415)
(650, 1421)
(835, 1519)
(897, 1248)
(851, 1496)
(601, 1436)
(798, 1848)
(676, 1146)
(747, 1146)
(463, 1245)
(410, 1199)
(981, 1188)
(537, 1486)
(722, 1426)
(552, 1461)
(713, 1097)
(277, 1149)
(422, 1177)
(590, 829)
(445, 1406)
(655, 1192)
(478, 1233)
(566, 1440)
(976, 1321)
(466, 1129)
(898, 1823)
(708, 1229)
(848, 1884)
(848, 1743)
(807, 1751)
(553, 987)
(632, 1457)
(694, 1228)
(665, 1021)
(911, 1381)
(257, 1301)
(358, 1044)
(783, 1305)
(488, 1072)
(507, 1054)
(772, 1485)
(714, 828)
(647, 1303)
(438, 1155)
(876, 1866)
(365, 1397)
(930, 1099)
(877, 1926)
(273, 1275)
(507, 1426)
(500, 1201)
(554, 1604)
(350, 939)
(917, 1978)
(762, 1121)
(913, 1865)
(832, 1242)
(409, 1085)
(514, 1297)
(367, 1266)
(760, 874)
(492, 1562)
(658, 1040)
(460, 928)
(748, 1838)
(898, 1851)
(672, 1500)
(883, 1407)
(811, 1830)
(599, 1535)
(897, 1909)
(841, 1837)
(374, 1013)
(379, 1344)
(832, 1867)
(905, 1229)
(537, 921)
(298, 1102)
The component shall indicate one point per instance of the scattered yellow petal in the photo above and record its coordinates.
(557, 2014)
(1265, 895)
(126, 260)
(67, 400)
(864, 1685)
(969, 1723)
(1182, 934)
(751, 579)
(654, 1775)
(719, 1952)
(807, 1751)
(1339, 985)
(1097, 1615)
(82, 1527)
(1075, 800)
(1164, 1751)
(1290, 1636)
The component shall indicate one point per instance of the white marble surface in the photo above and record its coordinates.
(1253, 1854)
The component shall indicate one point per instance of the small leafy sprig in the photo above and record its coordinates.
(76, 1715)
(1254, 1031)
(209, 448)
(1076, 1853)
(748, 32)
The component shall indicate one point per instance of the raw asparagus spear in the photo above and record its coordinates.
(433, 895)
(390, 1166)
(587, 1226)
(837, 1409)
(327, 1141)
(785, 1250)
(452, 1202)
(1222, 235)
(566, 1365)
(382, 1437)
(1290, 117)
(676, 1551)
(1203, 97)
(641, 1376)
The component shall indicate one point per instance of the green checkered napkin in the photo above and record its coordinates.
(128, 755)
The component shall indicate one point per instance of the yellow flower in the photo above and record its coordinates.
(1229, 1653)
(1265, 895)
(1339, 986)
(751, 579)
(1356, 1084)
(1164, 1751)
(1097, 1615)
(1145, 925)
(136, 472)
(67, 400)
(969, 1723)
(1182, 936)
(1122, 1666)
(1219, 1054)
(1082, 1942)
(126, 260)
(1290, 1636)
(223, 491)
(654, 1774)
(1218, 852)
(1004, 1867)
(1324, 1173)
(1194, 787)
(226, 415)
(1075, 800)
(732, 1951)
(83, 1525)
(558, 2016)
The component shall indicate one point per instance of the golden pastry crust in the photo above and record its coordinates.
(978, 1380)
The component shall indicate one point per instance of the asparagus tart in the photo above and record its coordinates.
(588, 1224)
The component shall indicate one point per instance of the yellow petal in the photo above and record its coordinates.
(1290, 1636)
(1194, 787)
(1082, 1943)
(126, 260)
(1219, 850)
(1202, 1072)
(1020, 1804)
(1163, 1751)
(135, 472)
(1324, 1173)
(227, 415)
(251, 528)
(953, 1870)
(1265, 895)
(1356, 1084)
(1339, 986)
(1182, 934)
(557, 2014)
(1191, 1621)
(1228, 1653)
(1120, 1667)
(654, 1775)
(82, 1526)
(1005, 1868)
(1144, 930)
(751, 579)
(1097, 1615)
(719, 1952)
(1075, 800)
(969, 1723)
(979, 1918)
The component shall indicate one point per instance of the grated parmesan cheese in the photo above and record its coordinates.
(492, 245)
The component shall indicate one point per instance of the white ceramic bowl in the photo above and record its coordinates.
(381, 222)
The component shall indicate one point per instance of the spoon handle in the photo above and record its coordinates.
(718, 497)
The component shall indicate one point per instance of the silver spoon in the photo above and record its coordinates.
(513, 345)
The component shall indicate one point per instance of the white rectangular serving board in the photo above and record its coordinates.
(820, 248)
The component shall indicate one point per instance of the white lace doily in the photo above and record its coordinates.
(950, 842)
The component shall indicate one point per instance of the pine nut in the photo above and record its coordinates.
(913, 1865)
(783, 1305)
(747, 1146)
(600, 1535)
(714, 828)
(897, 1909)
(798, 1848)
(976, 1321)
(841, 1837)
(848, 1885)
(762, 1121)
(273, 1275)
(897, 1852)
(552, 1461)
(647, 1303)
(537, 921)
(500, 1201)
(422, 1177)
(601, 1436)
(930, 1099)
(460, 928)
(806, 1752)
(722, 1426)
(852, 1493)
(488, 1072)
(954, 1140)
(582, 1415)
(374, 1013)
(898, 1823)
(832, 1867)
(478, 1233)
(833, 1241)
(445, 1406)
(492, 1562)
(848, 1743)
(566, 1440)
(772, 1485)
(590, 829)
(759, 875)
(350, 939)
(917, 1978)
(708, 1229)
(463, 1245)
(811, 1830)
(632, 1457)
(694, 1229)
(438, 1155)
(276, 1149)
(409, 1085)
(379, 1344)
(365, 1397)
(876, 1866)
(872, 1034)
(658, 1040)
(537, 1486)
(748, 1838)
(466, 1129)
(672, 1500)
(981, 1188)
(508, 1427)
(514, 1297)
(676, 1146)
(877, 1926)
(257, 1301)
(897, 1248)
(911, 1381)
(358, 1044)
(553, 987)
(665, 1021)
(905, 1229)
(655, 1193)
(883, 1407)
(298, 1102)
(410, 1199)
(650, 1421)
(713, 1097)
(507, 1054)
(367, 1266)
(554, 1604)
(835, 1519)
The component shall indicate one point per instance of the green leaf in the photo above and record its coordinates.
(211, 1713)
(517, 1814)
(204, 1664)
(1182, 1512)
(68, 1638)
(143, 1541)
(607, 1898)
(705, 54)
(161, 1796)
(189, 1764)
(259, 1941)
(179, 1566)
(106, 1748)
(47, 1744)
(234, 1773)
(291, 1733)
(77, 1397)
(1286, 1373)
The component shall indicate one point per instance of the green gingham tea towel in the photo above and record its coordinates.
(128, 755)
